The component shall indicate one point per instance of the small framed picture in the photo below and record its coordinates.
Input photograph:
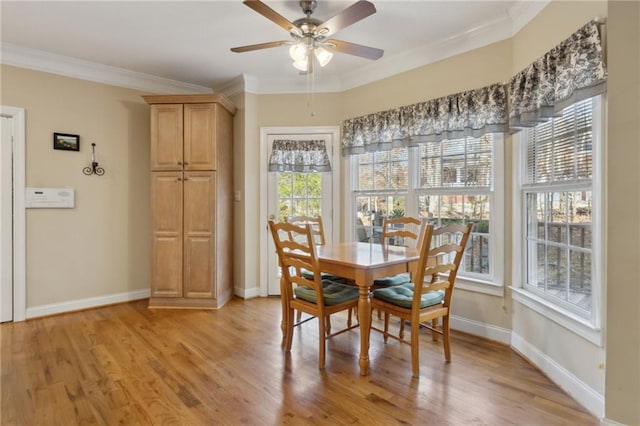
(66, 141)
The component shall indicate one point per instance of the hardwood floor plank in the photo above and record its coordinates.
(127, 364)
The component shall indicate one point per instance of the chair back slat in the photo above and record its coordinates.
(317, 228)
(296, 250)
(397, 230)
(447, 244)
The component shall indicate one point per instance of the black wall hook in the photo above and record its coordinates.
(94, 169)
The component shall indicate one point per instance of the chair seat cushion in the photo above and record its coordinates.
(402, 295)
(333, 293)
(392, 280)
(323, 275)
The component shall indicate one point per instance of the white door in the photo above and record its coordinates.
(295, 194)
(6, 221)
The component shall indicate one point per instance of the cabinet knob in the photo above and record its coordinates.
(186, 164)
(186, 179)
(179, 179)
(180, 163)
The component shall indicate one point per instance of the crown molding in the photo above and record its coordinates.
(501, 28)
(523, 12)
(86, 70)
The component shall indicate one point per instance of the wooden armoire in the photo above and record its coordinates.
(191, 200)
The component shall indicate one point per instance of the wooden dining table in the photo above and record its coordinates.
(363, 263)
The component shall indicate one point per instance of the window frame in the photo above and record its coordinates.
(493, 283)
(587, 326)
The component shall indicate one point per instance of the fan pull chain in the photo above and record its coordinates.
(310, 86)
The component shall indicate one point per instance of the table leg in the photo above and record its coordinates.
(364, 317)
(285, 311)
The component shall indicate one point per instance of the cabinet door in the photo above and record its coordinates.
(200, 136)
(166, 137)
(166, 254)
(199, 234)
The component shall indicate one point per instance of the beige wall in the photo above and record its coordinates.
(552, 25)
(101, 247)
(623, 204)
(471, 70)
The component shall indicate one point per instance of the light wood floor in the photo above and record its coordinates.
(126, 364)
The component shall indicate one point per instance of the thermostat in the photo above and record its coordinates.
(50, 198)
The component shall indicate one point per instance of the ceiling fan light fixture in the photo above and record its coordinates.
(298, 52)
(301, 65)
(322, 55)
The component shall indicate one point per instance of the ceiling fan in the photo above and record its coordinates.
(310, 35)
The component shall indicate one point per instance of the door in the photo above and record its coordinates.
(6, 222)
(295, 194)
(199, 234)
(166, 137)
(166, 250)
(200, 136)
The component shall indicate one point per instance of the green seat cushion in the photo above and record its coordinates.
(392, 280)
(323, 275)
(334, 293)
(402, 295)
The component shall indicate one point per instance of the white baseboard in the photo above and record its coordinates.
(580, 391)
(607, 422)
(481, 329)
(92, 302)
(247, 293)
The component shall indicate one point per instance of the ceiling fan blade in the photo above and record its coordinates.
(355, 49)
(259, 46)
(350, 15)
(270, 14)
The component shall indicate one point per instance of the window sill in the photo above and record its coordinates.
(580, 326)
(479, 286)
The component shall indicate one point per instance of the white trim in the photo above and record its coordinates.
(19, 229)
(523, 12)
(607, 422)
(599, 210)
(576, 388)
(479, 286)
(86, 70)
(501, 28)
(497, 216)
(91, 302)
(247, 293)
(477, 328)
(575, 323)
(263, 238)
(588, 328)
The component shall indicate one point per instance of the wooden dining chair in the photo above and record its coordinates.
(400, 231)
(317, 230)
(427, 298)
(319, 298)
(405, 231)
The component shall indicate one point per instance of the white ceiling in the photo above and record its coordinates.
(186, 44)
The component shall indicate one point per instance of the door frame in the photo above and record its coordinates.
(265, 132)
(19, 234)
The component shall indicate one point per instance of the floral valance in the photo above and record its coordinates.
(572, 71)
(302, 156)
(471, 113)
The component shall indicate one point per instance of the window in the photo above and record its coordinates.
(560, 196)
(456, 185)
(299, 194)
(448, 181)
(381, 190)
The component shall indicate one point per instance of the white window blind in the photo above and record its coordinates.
(558, 193)
(560, 149)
